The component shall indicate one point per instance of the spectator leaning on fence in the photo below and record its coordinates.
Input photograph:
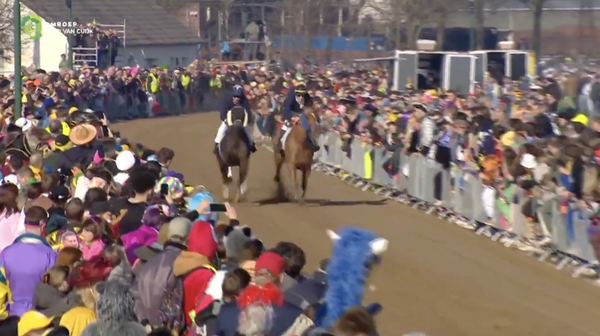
(152, 82)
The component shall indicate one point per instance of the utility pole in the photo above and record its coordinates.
(17, 59)
(69, 4)
(472, 35)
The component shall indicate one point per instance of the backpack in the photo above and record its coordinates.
(171, 312)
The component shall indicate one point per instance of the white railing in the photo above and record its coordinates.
(85, 56)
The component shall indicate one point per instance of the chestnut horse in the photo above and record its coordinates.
(297, 154)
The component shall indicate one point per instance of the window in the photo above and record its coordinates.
(150, 62)
(174, 62)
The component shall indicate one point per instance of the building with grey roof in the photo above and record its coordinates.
(149, 35)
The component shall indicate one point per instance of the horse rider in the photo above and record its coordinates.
(295, 101)
(238, 99)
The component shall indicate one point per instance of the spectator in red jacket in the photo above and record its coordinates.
(196, 264)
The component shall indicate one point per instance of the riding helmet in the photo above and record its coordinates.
(300, 88)
(238, 91)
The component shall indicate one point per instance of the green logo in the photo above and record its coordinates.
(31, 25)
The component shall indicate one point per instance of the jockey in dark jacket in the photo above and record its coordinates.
(295, 101)
(238, 98)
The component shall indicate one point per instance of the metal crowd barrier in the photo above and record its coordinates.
(459, 196)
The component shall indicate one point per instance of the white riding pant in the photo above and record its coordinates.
(223, 128)
(287, 129)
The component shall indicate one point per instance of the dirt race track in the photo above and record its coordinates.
(435, 277)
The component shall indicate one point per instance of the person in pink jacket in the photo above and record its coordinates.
(147, 234)
(12, 223)
(93, 236)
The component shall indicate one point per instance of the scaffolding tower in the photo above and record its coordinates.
(88, 56)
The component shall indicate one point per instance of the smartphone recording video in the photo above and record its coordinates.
(218, 207)
(164, 189)
(100, 115)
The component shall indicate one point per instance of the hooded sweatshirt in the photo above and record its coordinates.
(202, 249)
(144, 236)
(45, 296)
(24, 264)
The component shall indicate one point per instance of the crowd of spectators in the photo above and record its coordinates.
(103, 211)
(100, 236)
(536, 137)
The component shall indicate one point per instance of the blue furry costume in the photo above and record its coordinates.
(347, 273)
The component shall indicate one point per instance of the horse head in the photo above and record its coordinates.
(355, 252)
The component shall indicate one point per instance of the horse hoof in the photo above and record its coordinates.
(240, 197)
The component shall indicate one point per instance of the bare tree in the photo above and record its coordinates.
(441, 10)
(6, 30)
(537, 6)
(225, 11)
(410, 16)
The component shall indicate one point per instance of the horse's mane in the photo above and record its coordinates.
(347, 272)
(310, 113)
(239, 130)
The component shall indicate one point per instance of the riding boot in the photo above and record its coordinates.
(280, 141)
(314, 146)
(313, 143)
(253, 148)
(216, 149)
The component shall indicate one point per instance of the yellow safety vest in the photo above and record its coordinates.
(215, 82)
(153, 83)
(230, 120)
(185, 81)
(65, 130)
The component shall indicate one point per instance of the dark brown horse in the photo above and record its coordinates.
(234, 151)
(297, 155)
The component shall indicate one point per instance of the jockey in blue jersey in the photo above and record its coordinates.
(227, 110)
(297, 98)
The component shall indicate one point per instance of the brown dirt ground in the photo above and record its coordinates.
(434, 277)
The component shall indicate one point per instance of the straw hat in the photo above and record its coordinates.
(83, 134)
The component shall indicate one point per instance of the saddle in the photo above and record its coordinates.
(237, 114)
